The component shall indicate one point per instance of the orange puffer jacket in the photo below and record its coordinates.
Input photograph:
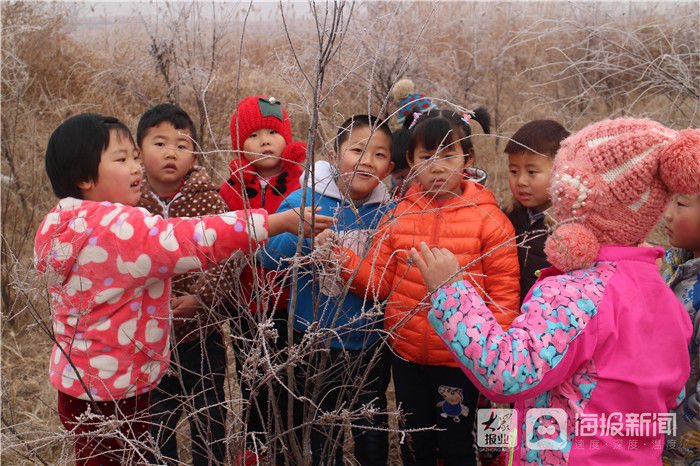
(473, 228)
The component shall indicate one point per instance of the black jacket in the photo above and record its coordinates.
(530, 237)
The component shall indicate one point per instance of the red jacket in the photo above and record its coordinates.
(243, 191)
(474, 229)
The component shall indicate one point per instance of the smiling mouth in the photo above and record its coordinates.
(136, 184)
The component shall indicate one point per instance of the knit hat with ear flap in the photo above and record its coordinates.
(611, 182)
(409, 101)
(258, 112)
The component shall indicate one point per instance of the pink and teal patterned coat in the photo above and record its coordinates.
(604, 350)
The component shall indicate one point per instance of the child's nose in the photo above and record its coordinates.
(667, 214)
(135, 165)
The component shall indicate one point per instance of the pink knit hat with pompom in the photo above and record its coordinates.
(611, 182)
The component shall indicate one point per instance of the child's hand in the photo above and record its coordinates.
(288, 221)
(439, 267)
(326, 236)
(185, 307)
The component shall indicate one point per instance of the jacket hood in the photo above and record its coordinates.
(477, 175)
(473, 194)
(326, 185)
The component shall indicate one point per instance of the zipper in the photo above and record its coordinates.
(433, 243)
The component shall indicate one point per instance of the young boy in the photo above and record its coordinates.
(682, 273)
(175, 187)
(107, 267)
(350, 189)
(531, 151)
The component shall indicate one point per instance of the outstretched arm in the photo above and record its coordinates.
(541, 349)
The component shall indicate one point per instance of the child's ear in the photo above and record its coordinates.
(86, 185)
(333, 158)
(389, 169)
(470, 158)
(409, 161)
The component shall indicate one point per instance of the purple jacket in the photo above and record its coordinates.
(603, 350)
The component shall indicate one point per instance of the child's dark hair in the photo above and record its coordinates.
(164, 112)
(359, 121)
(399, 147)
(539, 136)
(442, 128)
(400, 140)
(75, 148)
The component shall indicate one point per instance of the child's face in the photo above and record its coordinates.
(168, 154)
(118, 174)
(363, 161)
(528, 177)
(440, 173)
(683, 222)
(401, 180)
(264, 148)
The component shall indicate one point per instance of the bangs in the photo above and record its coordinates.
(437, 133)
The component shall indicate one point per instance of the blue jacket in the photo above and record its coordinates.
(357, 321)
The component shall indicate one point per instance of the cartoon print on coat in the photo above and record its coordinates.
(452, 403)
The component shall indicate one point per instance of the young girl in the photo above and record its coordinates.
(531, 151)
(446, 210)
(600, 353)
(107, 267)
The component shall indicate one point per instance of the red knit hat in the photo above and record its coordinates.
(258, 112)
(611, 182)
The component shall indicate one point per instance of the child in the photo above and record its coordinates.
(266, 168)
(399, 176)
(410, 104)
(531, 151)
(449, 211)
(348, 188)
(267, 164)
(107, 266)
(682, 274)
(599, 354)
(175, 187)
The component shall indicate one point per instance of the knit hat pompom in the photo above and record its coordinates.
(402, 88)
(572, 246)
(410, 101)
(295, 152)
(680, 163)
